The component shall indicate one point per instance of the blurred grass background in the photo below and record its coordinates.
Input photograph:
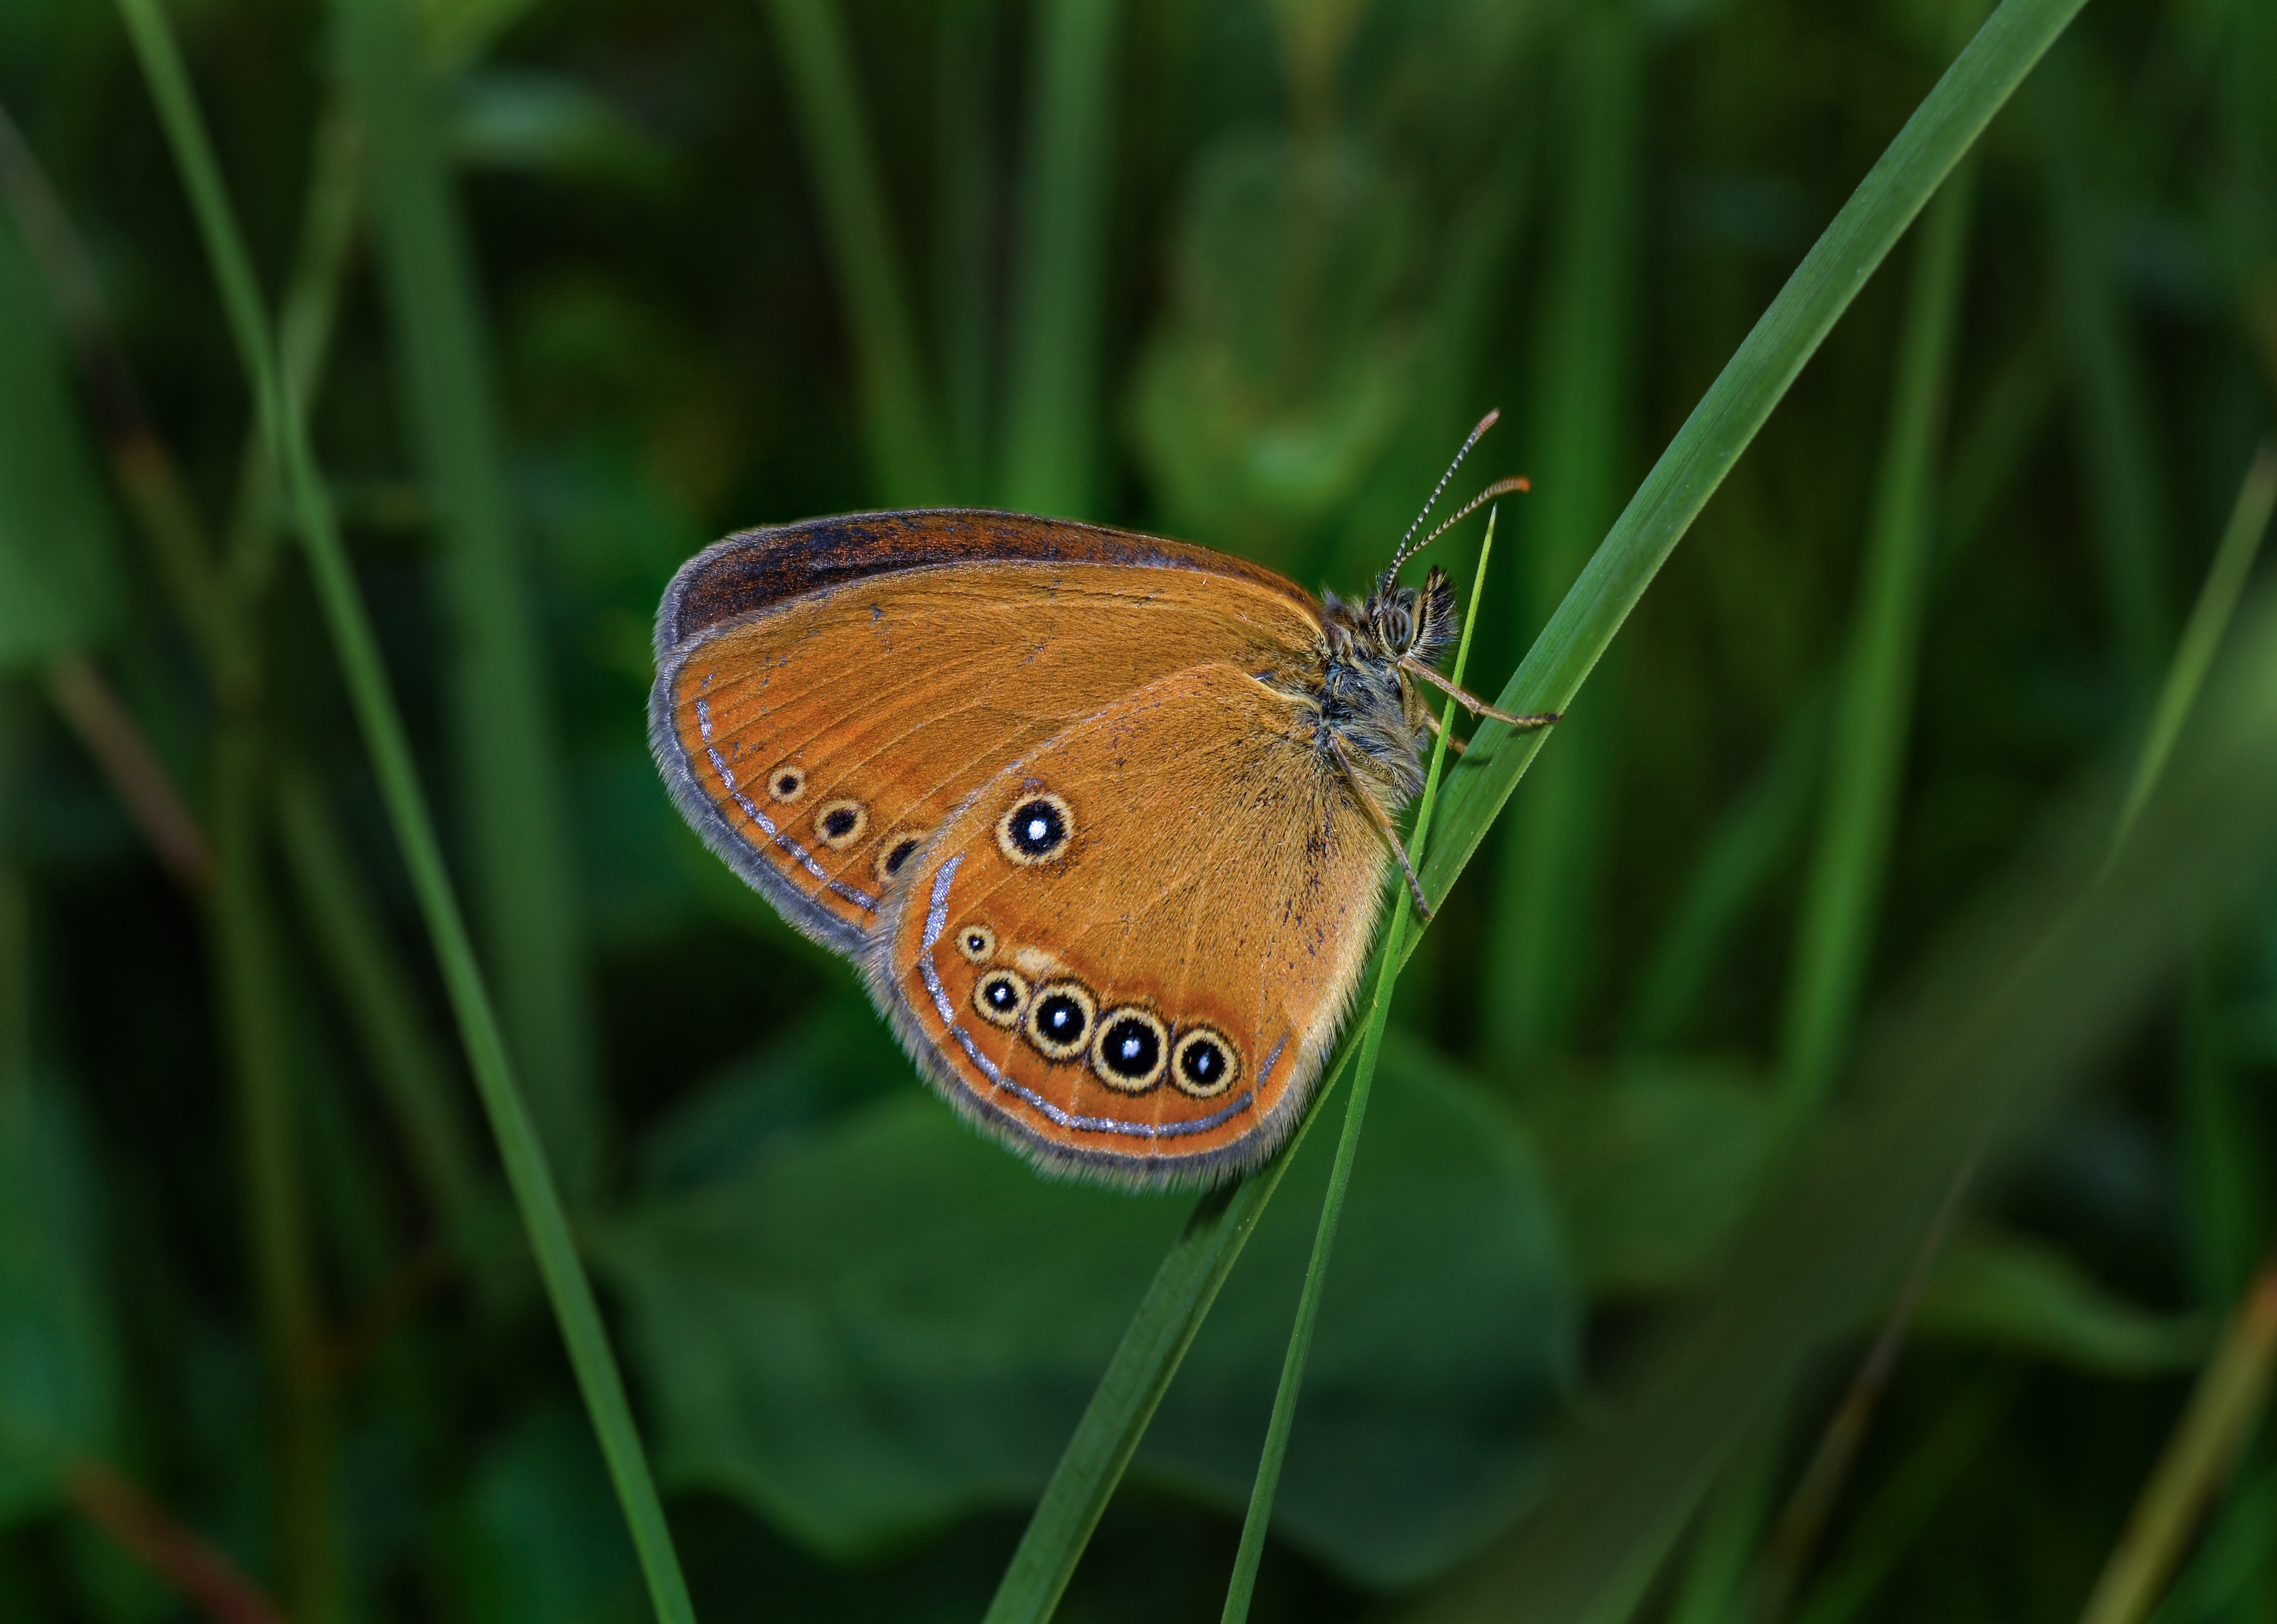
(571, 287)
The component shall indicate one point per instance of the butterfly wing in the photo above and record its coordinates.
(827, 693)
(1129, 951)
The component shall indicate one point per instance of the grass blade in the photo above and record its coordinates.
(905, 453)
(1051, 431)
(2224, 582)
(1260, 1515)
(1720, 428)
(527, 1171)
(1942, 129)
(2224, 1409)
(509, 748)
(1545, 943)
(1874, 713)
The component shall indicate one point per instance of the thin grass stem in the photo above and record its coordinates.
(2223, 1411)
(2210, 617)
(1259, 1516)
(566, 1285)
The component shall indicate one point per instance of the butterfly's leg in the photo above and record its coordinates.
(1458, 745)
(1472, 702)
(1382, 826)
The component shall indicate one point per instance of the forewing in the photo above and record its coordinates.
(827, 693)
(1216, 883)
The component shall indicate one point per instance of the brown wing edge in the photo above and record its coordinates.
(752, 570)
(1137, 1174)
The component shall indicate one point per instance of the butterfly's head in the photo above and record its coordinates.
(1411, 620)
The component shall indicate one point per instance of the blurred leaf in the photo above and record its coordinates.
(2014, 1291)
(553, 124)
(2007, 1018)
(1282, 367)
(58, 1355)
(882, 1325)
(59, 568)
(1654, 1167)
(541, 1540)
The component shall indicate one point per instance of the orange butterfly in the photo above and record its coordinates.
(1103, 819)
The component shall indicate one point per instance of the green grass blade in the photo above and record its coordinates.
(515, 796)
(1736, 406)
(2224, 582)
(1260, 1515)
(2117, 464)
(1051, 428)
(965, 85)
(1545, 942)
(1874, 711)
(527, 1171)
(907, 465)
(1711, 441)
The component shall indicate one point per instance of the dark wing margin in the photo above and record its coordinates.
(752, 570)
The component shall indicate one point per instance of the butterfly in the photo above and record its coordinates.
(1104, 820)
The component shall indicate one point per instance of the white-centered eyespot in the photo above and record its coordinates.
(1059, 1019)
(1035, 828)
(1205, 1064)
(1001, 997)
(840, 823)
(977, 942)
(1130, 1050)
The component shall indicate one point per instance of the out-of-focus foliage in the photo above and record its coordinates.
(576, 285)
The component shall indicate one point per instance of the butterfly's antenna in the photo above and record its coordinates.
(1500, 487)
(1402, 552)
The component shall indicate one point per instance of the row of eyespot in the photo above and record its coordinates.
(1035, 828)
(1129, 1049)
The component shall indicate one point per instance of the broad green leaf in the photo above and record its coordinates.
(539, 1538)
(887, 1322)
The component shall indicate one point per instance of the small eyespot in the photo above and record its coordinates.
(977, 942)
(1036, 829)
(892, 852)
(1001, 997)
(786, 783)
(840, 823)
(1205, 1064)
(1059, 1019)
(1128, 1052)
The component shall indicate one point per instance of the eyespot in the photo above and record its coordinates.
(1000, 997)
(1128, 1052)
(892, 852)
(1059, 1019)
(1205, 1064)
(786, 783)
(1036, 829)
(840, 823)
(977, 942)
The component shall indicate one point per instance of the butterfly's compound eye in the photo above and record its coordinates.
(977, 942)
(1205, 1064)
(840, 823)
(1059, 1019)
(894, 851)
(1129, 1050)
(999, 996)
(786, 783)
(1036, 829)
